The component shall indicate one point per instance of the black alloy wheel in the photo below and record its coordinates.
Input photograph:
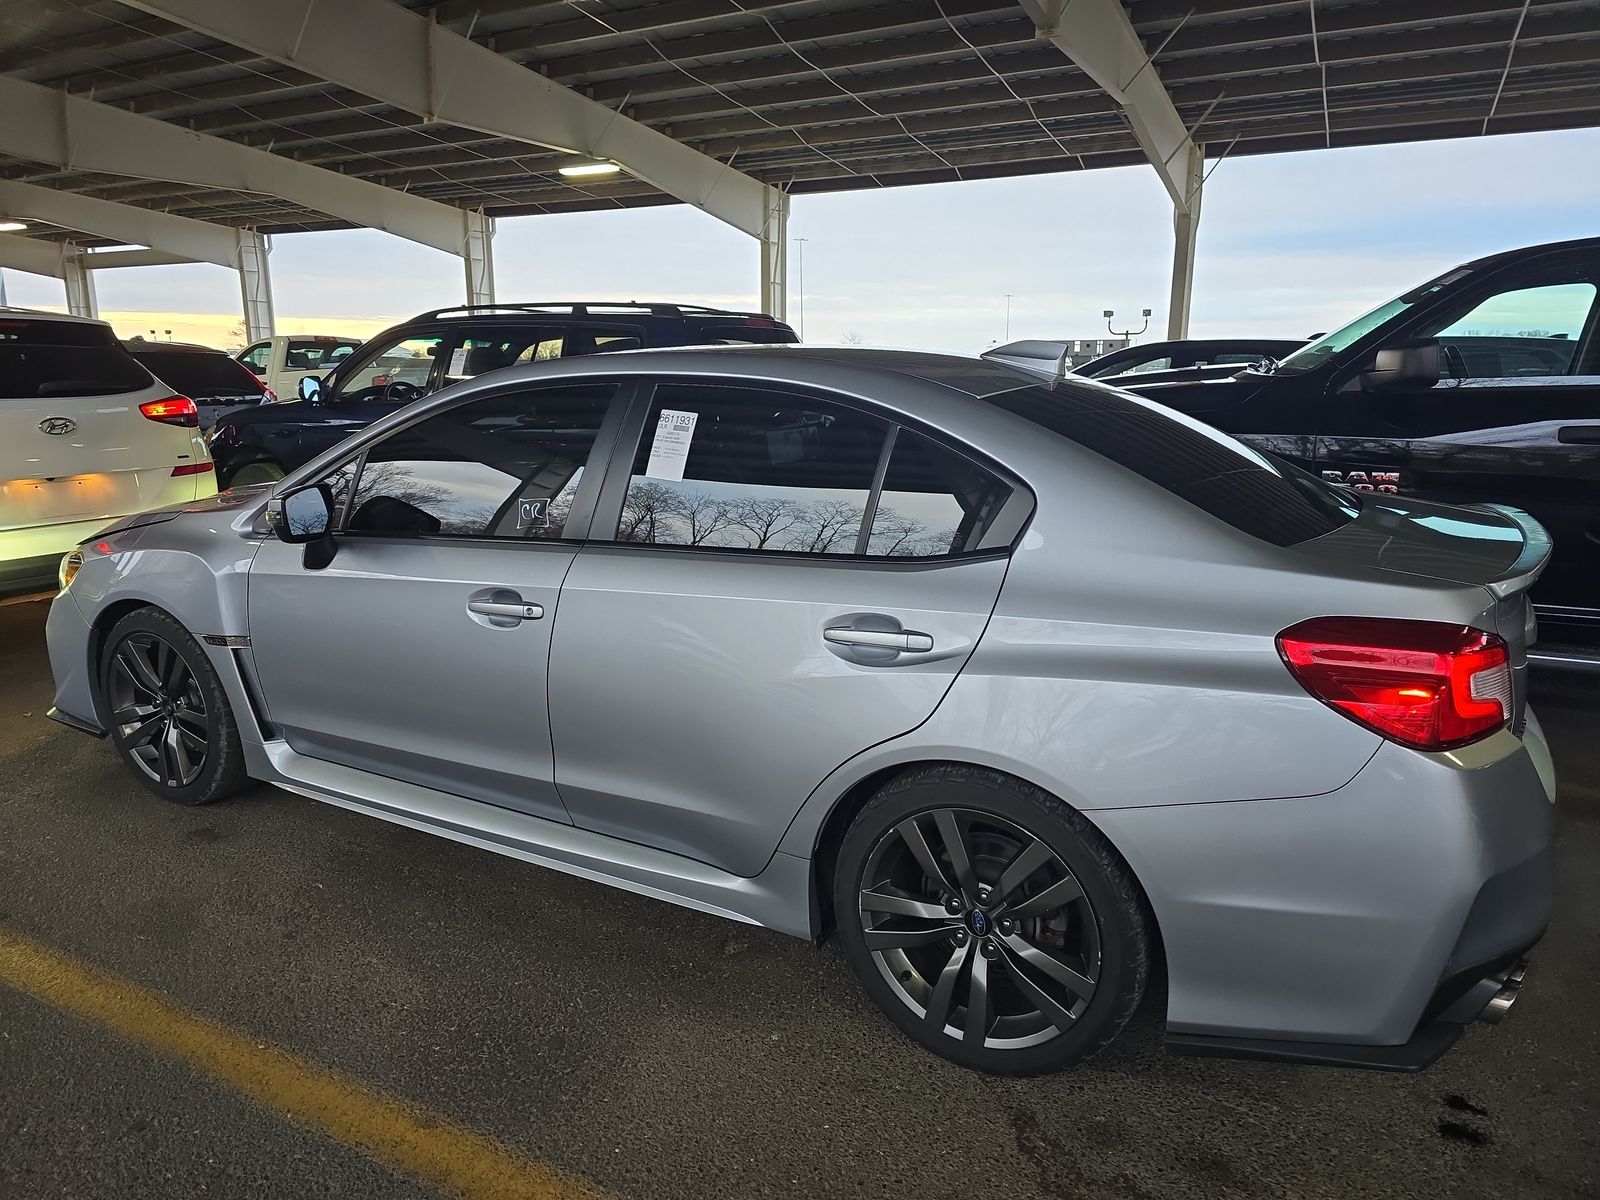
(156, 701)
(991, 922)
(167, 710)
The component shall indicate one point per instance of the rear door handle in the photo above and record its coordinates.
(908, 640)
(1579, 435)
(499, 608)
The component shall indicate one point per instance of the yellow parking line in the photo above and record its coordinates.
(416, 1142)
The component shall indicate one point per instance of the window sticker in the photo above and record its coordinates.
(458, 361)
(533, 514)
(670, 449)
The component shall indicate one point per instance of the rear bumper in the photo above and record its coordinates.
(1343, 927)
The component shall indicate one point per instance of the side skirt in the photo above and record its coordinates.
(778, 898)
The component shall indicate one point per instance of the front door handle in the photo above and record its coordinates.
(908, 640)
(506, 611)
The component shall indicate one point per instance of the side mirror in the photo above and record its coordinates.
(304, 517)
(310, 389)
(1408, 366)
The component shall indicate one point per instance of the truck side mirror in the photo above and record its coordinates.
(310, 389)
(1407, 366)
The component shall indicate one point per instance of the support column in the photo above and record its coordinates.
(81, 300)
(255, 284)
(1185, 229)
(477, 253)
(774, 295)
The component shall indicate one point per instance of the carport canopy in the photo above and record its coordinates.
(197, 128)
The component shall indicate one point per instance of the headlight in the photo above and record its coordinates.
(69, 568)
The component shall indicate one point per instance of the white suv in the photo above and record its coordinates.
(87, 435)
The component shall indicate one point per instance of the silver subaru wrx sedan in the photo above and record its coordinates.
(1020, 686)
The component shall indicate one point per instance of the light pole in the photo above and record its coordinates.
(1008, 316)
(800, 282)
(1130, 334)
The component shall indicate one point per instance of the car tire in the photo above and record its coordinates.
(261, 471)
(1044, 975)
(167, 712)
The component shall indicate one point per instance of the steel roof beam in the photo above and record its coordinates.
(71, 134)
(195, 241)
(419, 66)
(1097, 35)
(32, 255)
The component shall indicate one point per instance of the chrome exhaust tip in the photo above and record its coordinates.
(1500, 1003)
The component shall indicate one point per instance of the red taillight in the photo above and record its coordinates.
(192, 469)
(1422, 683)
(174, 410)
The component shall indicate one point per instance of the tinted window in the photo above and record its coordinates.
(741, 333)
(201, 376)
(1521, 331)
(934, 501)
(751, 469)
(1262, 496)
(28, 372)
(55, 333)
(504, 466)
(257, 357)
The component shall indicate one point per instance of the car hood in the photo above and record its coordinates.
(1209, 393)
(229, 501)
(295, 410)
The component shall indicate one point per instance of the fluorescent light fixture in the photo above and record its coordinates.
(583, 169)
(12, 226)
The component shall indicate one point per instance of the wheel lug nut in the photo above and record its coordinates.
(961, 937)
(1006, 925)
(988, 949)
(952, 904)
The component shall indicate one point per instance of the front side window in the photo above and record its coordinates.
(1523, 331)
(751, 469)
(503, 466)
(403, 360)
(1330, 345)
(256, 357)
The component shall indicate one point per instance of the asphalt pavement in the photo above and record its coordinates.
(638, 1048)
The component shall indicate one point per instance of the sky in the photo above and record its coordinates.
(1289, 245)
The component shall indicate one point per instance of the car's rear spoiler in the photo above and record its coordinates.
(1529, 564)
(1048, 359)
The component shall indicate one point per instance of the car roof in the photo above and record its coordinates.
(784, 362)
(38, 314)
(135, 345)
(586, 308)
(1574, 244)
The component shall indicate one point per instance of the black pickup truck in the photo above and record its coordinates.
(1482, 385)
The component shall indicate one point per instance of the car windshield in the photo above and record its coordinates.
(1312, 356)
(201, 376)
(1256, 493)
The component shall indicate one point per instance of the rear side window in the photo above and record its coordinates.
(754, 332)
(31, 372)
(1258, 495)
(934, 501)
(201, 376)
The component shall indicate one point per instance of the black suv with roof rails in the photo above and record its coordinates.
(1480, 386)
(445, 346)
